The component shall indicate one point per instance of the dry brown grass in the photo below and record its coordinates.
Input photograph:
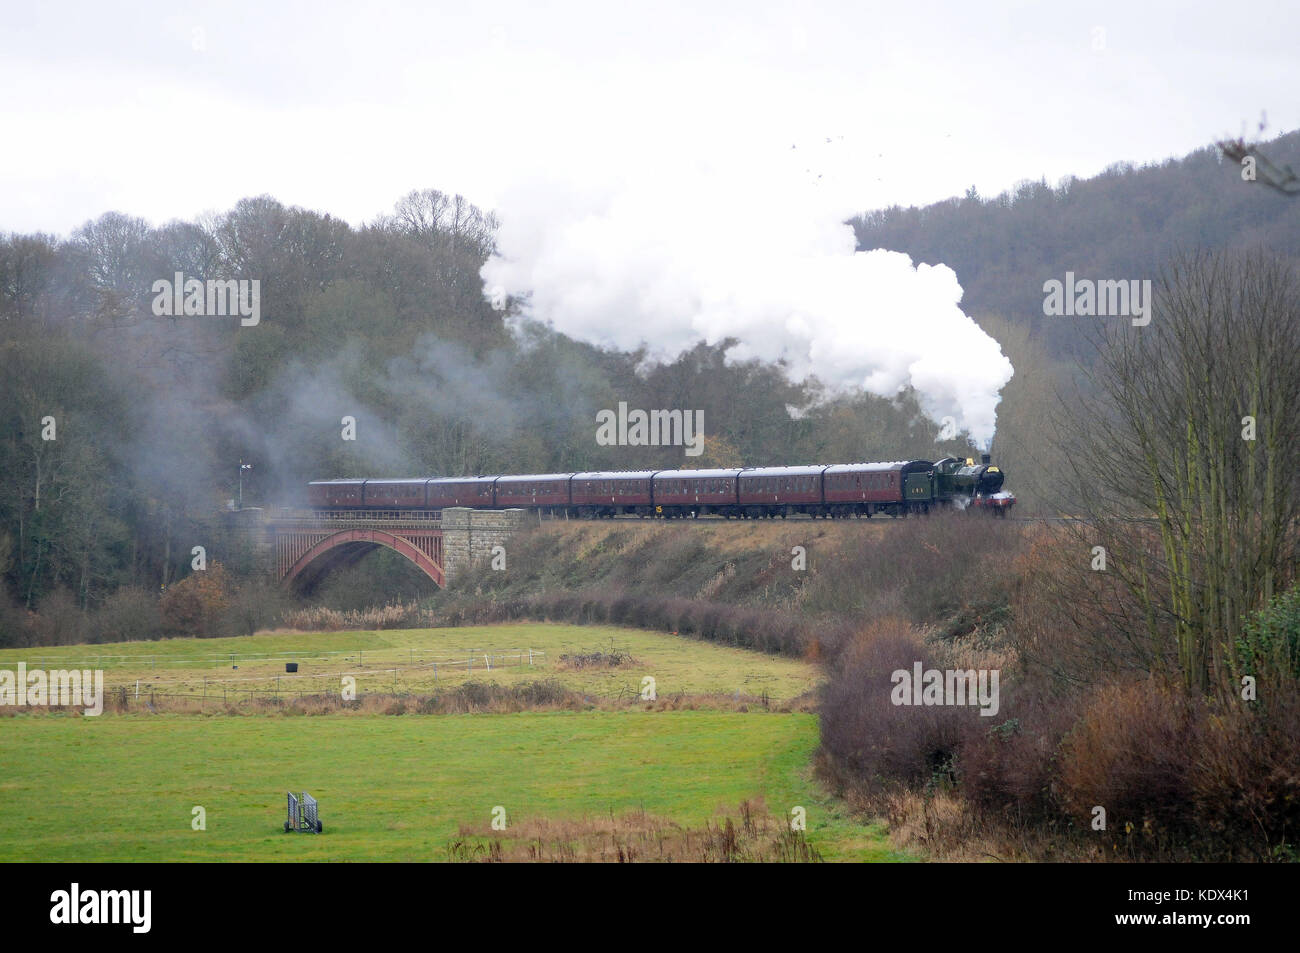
(465, 698)
(322, 619)
(753, 836)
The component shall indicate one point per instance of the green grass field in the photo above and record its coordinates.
(402, 787)
(390, 787)
(195, 666)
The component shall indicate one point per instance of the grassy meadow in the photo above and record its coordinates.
(123, 786)
(422, 660)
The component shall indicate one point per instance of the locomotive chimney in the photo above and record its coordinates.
(986, 459)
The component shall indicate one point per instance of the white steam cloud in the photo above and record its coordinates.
(667, 257)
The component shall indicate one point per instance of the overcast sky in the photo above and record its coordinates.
(165, 110)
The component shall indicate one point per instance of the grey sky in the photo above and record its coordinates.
(165, 110)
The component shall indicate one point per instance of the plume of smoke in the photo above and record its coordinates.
(669, 257)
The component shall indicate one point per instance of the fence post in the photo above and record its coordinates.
(137, 689)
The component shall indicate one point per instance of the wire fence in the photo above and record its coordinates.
(412, 656)
(309, 684)
(422, 673)
(226, 693)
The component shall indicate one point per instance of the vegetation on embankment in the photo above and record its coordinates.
(798, 587)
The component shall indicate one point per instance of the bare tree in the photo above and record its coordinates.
(1187, 459)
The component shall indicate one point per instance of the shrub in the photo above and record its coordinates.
(880, 744)
(1008, 767)
(197, 605)
(131, 614)
(1269, 647)
(1245, 781)
(256, 604)
(1131, 753)
(14, 629)
(59, 621)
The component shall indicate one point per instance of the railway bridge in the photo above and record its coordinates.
(302, 546)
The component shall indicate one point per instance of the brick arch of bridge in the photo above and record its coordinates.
(347, 547)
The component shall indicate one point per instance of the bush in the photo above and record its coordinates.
(198, 604)
(1008, 768)
(1269, 647)
(1129, 753)
(257, 604)
(59, 621)
(130, 614)
(1245, 782)
(880, 744)
(14, 629)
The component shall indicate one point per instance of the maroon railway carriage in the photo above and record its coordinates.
(474, 492)
(396, 494)
(546, 490)
(695, 492)
(336, 494)
(610, 493)
(870, 487)
(780, 491)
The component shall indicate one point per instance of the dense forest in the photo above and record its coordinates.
(124, 431)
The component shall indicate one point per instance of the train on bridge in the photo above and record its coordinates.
(827, 491)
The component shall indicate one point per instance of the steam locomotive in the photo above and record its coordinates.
(836, 491)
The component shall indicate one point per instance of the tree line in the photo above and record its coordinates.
(124, 432)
